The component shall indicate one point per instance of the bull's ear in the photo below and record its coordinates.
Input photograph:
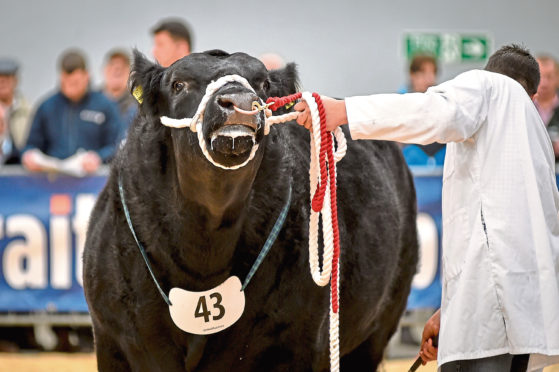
(284, 81)
(145, 80)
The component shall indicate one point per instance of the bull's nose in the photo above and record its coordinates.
(241, 100)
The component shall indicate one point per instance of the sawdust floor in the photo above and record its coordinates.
(59, 362)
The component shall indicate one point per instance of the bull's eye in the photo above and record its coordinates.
(266, 85)
(178, 86)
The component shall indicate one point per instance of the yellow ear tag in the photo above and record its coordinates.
(137, 93)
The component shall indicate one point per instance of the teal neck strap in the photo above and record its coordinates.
(263, 252)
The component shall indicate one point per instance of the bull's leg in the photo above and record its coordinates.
(110, 356)
(366, 357)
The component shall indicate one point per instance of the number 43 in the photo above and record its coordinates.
(202, 309)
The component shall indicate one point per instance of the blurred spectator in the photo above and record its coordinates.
(5, 145)
(422, 75)
(116, 72)
(272, 61)
(546, 100)
(14, 113)
(171, 41)
(73, 119)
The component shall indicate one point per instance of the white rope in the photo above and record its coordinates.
(271, 120)
(199, 115)
(176, 123)
(195, 123)
(321, 277)
(335, 331)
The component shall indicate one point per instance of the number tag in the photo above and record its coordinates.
(204, 313)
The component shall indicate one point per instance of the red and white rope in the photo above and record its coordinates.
(322, 278)
(322, 175)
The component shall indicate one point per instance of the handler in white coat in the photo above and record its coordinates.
(500, 209)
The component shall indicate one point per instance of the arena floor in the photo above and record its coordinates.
(49, 362)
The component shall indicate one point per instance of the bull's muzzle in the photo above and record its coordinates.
(237, 135)
(243, 100)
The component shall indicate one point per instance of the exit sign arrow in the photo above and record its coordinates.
(474, 48)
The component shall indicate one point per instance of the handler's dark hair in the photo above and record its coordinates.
(517, 63)
(177, 28)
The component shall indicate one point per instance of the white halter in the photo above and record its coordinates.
(195, 123)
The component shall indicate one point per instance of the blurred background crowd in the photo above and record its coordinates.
(64, 67)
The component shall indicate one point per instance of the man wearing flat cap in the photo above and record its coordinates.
(14, 113)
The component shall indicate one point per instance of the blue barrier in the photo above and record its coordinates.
(426, 285)
(43, 222)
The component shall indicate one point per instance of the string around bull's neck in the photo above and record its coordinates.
(263, 252)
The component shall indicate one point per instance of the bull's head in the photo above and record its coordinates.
(229, 135)
(228, 132)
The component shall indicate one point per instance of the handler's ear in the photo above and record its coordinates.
(284, 81)
(145, 80)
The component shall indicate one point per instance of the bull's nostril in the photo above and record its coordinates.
(242, 100)
(225, 103)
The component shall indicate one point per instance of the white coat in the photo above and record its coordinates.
(500, 211)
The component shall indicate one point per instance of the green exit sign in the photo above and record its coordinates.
(448, 47)
(474, 48)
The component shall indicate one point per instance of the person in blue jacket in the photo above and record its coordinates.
(422, 75)
(74, 120)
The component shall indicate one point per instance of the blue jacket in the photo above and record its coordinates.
(61, 127)
(425, 155)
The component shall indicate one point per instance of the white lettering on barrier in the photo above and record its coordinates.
(60, 253)
(25, 257)
(429, 251)
(84, 206)
(25, 261)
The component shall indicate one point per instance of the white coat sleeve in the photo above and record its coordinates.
(450, 112)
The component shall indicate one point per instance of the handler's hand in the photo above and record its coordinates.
(334, 109)
(428, 351)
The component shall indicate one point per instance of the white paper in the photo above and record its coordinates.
(71, 166)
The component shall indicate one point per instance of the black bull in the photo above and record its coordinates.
(201, 224)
